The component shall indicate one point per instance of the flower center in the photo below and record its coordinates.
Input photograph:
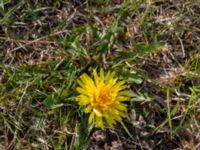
(102, 99)
(104, 96)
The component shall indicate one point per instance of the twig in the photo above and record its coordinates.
(182, 47)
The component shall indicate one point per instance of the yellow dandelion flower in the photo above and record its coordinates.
(103, 97)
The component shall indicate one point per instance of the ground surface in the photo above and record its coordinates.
(46, 45)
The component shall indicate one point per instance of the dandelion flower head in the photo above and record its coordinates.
(103, 97)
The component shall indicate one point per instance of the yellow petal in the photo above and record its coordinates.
(109, 121)
(91, 118)
(125, 93)
(87, 80)
(122, 98)
(109, 76)
(118, 118)
(98, 113)
(120, 106)
(88, 109)
(119, 84)
(83, 100)
(80, 83)
(122, 114)
(99, 122)
(102, 74)
(96, 78)
(122, 87)
(82, 91)
(112, 82)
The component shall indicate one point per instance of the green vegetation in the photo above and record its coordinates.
(46, 45)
